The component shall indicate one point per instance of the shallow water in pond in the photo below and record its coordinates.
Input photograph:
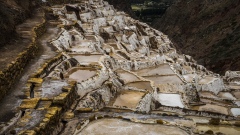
(173, 100)
(86, 58)
(206, 80)
(127, 77)
(81, 75)
(227, 130)
(145, 85)
(121, 127)
(159, 70)
(129, 99)
(214, 108)
(165, 79)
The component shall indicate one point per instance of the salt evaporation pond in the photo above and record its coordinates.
(121, 127)
(172, 79)
(173, 100)
(87, 58)
(129, 99)
(235, 111)
(81, 75)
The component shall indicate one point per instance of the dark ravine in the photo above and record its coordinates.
(206, 30)
(123, 5)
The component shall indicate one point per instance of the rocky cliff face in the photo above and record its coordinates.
(12, 12)
(208, 30)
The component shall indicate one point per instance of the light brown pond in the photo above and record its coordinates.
(86, 58)
(237, 94)
(145, 85)
(80, 75)
(214, 108)
(121, 127)
(159, 70)
(171, 79)
(129, 99)
(127, 77)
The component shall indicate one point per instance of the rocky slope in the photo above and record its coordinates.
(12, 12)
(207, 30)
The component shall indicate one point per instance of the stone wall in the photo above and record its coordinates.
(9, 75)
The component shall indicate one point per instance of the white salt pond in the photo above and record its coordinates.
(121, 127)
(173, 100)
(235, 111)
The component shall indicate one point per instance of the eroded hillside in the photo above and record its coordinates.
(206, 30)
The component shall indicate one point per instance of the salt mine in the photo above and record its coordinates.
(101, 72)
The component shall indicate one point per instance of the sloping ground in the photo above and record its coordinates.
(12, 13)
(124, 74)
(206, 30)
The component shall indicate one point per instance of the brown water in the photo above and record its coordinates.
(87, 58)
(127, 77)
(121, 127)
(237, 94)
(145, 85)
(214, 108)
(129, 99)
(173, 79)
(159, 70)
(81, 75)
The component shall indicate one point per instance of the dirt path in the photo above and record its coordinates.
(15, 96)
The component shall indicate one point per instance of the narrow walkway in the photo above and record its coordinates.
(13, 100)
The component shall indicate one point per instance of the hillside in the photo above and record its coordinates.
(206, 30)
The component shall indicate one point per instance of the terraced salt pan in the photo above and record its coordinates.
(235, 111)
(80, 75)
(120, 127)
(159, 70)
(226, 95)
(171, 79)
(189, 77)
(127, 77)
(145, 85)
(207, 80)
(173, 100)
(86, 58)
(206, 94)
(237, 94)
(214, 108)
(129, 99)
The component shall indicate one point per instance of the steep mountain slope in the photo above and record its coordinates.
(123, 5)
(12, 12)
(208, 30)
